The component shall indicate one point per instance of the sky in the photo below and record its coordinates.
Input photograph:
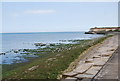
(57, 16)
(60, 0)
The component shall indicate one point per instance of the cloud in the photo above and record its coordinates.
(34, 12)
(40, 11)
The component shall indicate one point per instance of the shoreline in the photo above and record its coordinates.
(33, 66)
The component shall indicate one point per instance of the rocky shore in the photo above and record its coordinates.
(51, 61)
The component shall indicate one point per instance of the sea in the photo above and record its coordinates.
(16, 41)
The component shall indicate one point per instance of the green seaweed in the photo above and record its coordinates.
(51, 63)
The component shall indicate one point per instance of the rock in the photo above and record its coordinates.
(39, 44)
(58, 55)
(63, 40)
(33, 68)
(50, 59)
(2, 53)
(16, 51)
(52, 44)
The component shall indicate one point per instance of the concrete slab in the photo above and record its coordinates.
(81, 76)
(110, 70)
(105, 55)
(70, 74)
(89, 61)
(100, 61)
(82, 68)
(69, 79)
(96, 56)
(93, 70)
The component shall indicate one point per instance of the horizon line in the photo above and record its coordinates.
(43, 31)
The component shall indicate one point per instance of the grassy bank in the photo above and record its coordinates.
(52, 64)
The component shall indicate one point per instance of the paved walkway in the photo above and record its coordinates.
(92, 64)
(110, 70)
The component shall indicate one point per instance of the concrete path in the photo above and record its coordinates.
(93, 62)
(110, 70)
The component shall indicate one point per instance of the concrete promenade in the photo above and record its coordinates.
(99, 64)
(109, 70)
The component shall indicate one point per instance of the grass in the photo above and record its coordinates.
(52, 64)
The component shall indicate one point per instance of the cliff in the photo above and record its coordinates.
(102, 30)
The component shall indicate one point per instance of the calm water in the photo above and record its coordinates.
(16, 41)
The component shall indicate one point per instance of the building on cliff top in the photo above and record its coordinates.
(105, 29)
(102, 30)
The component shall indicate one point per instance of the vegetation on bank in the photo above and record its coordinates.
(51, 62)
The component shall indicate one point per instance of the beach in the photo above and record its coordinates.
(51, 61)
(50, 64)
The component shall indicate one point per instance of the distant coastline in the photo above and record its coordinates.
(103, 30)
